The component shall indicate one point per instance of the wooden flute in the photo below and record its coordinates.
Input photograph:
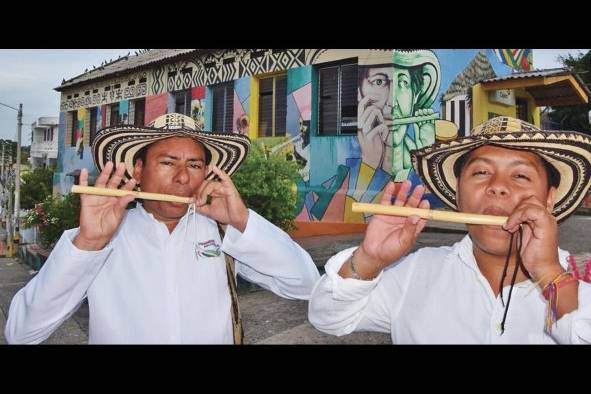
(430, 214)
(103, 191)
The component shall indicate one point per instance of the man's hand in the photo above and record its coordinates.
(226, 205)
(388, 238)
(372, 132)
(539, 251)
(100, 216)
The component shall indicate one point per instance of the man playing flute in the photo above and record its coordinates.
(157, 273)
(499, 284)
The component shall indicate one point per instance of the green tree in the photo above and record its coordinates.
(268, 186)
(575, 117)
(36, 186)
(10, 152)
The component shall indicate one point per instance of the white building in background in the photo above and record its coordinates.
(44, 142)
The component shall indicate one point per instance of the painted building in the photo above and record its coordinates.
(349, 117)
(44, 142)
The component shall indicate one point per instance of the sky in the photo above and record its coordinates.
(28, 76)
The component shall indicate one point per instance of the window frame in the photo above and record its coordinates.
(339, 121)
(273, 105)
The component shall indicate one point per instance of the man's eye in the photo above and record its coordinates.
(197, 166)
(522, 176)
(480, 172)
(403, 84)
(166, 163)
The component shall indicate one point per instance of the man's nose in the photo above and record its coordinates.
(497, 186)
(182, 175)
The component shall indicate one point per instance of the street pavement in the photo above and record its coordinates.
(267, 318)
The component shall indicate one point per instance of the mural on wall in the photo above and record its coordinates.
(108, 92)
(155, 106)
(401, 96)
(299, 114)
(517, 59)
(398, 110)
(124, 112)
(223, 66)
(241, 106)
(198, 106)
(79, 132)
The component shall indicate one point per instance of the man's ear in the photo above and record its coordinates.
(137, 170)
(551, 199)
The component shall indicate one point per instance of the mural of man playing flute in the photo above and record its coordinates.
(499, 284)
(160, 272)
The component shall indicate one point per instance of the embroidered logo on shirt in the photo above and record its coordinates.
(208, 249)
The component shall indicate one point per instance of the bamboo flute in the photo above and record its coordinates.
(103, 191)
(430, 214)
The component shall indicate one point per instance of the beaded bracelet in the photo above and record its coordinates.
(353, 270)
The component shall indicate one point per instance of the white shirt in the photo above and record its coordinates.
(149, 285)
(439, 296)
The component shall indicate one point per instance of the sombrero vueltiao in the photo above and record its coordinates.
(568, 152)
(123, 142)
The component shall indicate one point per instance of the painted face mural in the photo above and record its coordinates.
(394, 110)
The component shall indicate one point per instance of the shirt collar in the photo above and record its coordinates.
(463, 250)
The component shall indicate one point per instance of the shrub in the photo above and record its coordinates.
(36, 186)
(53, 216)
(267, 186)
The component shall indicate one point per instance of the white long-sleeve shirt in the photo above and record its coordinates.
(439, 296)
(152, 286)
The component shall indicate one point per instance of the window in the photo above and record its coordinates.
(521, 110)
(140, 112)
(182, 102)
(114, 115)
(337, 99)
(223, 106)
(93, 119)
(272, 106)
(74, 127)
(48, 134)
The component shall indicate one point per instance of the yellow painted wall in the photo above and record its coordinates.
(253, 121)
(481, 106)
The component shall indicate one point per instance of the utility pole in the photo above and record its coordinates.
(17, 179)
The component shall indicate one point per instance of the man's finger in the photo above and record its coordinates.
(103, 177)
(402, 193)
(223, 176)
(415, 198)
(83, 177)
(129, 185)
(388, 194)
(115, 180)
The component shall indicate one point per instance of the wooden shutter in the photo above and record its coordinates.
(280, 105)
(328, 100)
(92, 128)
(140, 112)
(266, 107)
(348, 99)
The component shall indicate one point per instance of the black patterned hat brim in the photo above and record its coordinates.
(568, 151)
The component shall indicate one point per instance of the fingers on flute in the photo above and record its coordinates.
(116, 178)
(415, 198)
(402, 193)
(388, 193)
(123, 201)
(83, 177)
(103, 177)
(129, 184)
(422, 222)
